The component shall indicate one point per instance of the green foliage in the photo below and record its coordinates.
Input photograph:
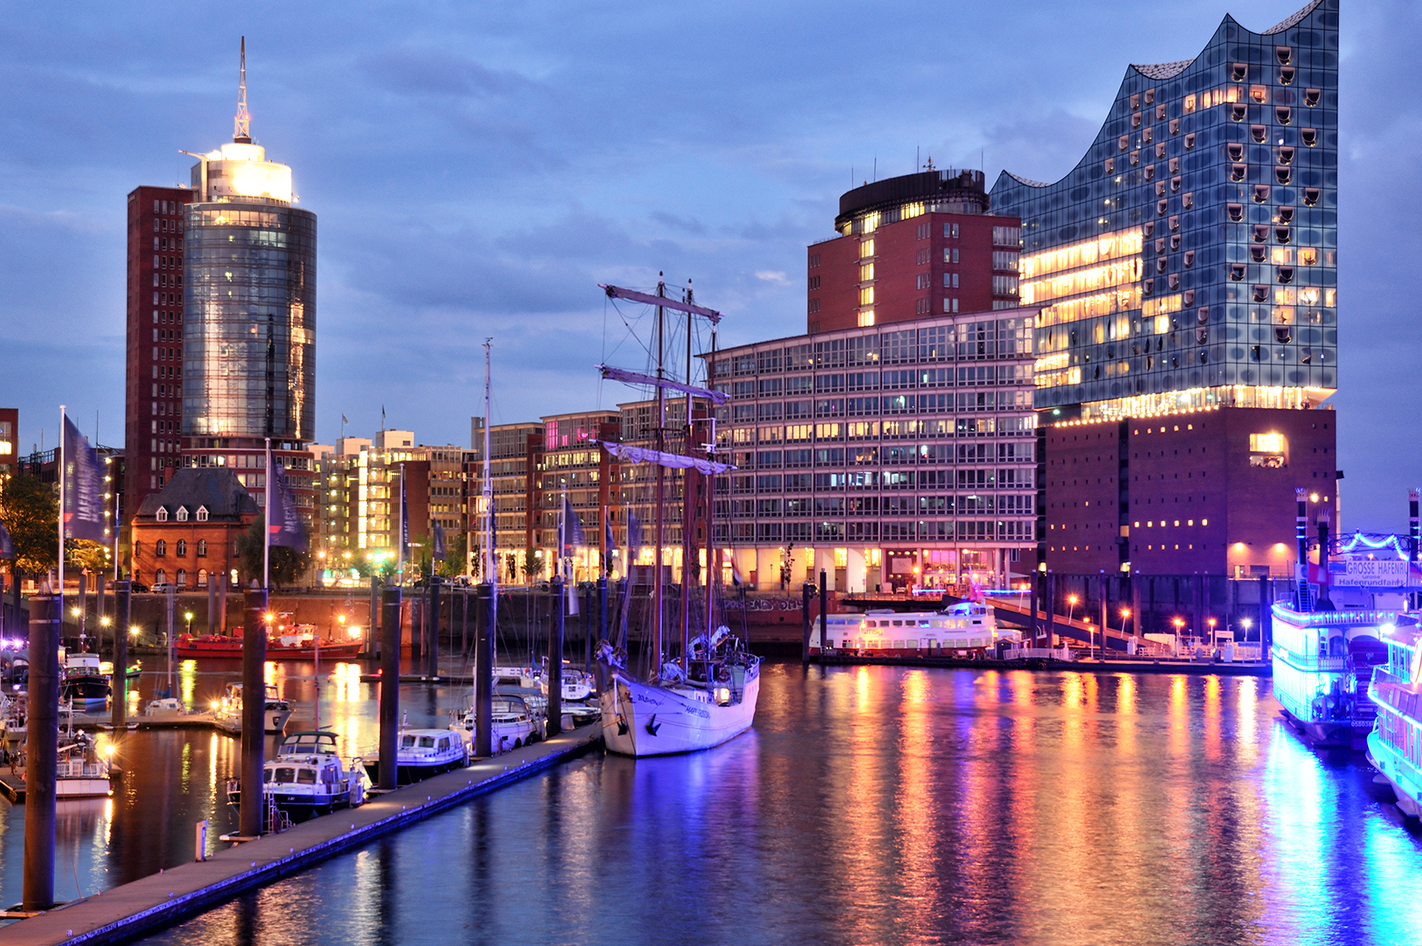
(91, 556)
(287, 565)
(532, 564)
(31, 513)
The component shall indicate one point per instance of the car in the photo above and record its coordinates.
(138, 588)
(161, 587)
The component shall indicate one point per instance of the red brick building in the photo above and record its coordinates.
(187, 531)
(910, 246)
(1209, 492)
(152, 391)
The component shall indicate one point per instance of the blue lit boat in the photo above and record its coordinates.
(1322, 664)
(1395, 744)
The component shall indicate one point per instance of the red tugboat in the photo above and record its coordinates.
(289, 642)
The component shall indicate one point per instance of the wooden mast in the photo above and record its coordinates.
(660, 495)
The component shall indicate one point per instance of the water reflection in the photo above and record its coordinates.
(869, 805)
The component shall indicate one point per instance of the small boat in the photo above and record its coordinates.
(1395, 744)
(423, 753)
(512, 724)
(165, 707)
(524, 677)
(14, 720)
(306, 778)
(84, 681)
(577, 685)
(82, 772)
(275, 712)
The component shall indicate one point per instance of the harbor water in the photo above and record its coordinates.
(868, 805)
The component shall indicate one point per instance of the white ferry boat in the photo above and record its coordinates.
(1395, 744)
(966, 629)
(1322, 663)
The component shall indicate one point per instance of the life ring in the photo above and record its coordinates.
(723, 675)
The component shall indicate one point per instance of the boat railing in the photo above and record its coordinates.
(1311, 661)
(1037, 653)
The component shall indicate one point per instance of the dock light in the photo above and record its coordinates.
(74, 611)
(268, 617)
(105, 621)
(355, 631)
(109, 750)
(1313, 497)
(133, 630)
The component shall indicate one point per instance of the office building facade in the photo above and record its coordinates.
(1185, 278)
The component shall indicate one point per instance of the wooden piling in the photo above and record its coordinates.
(389, 687)
(46, 612)
(254, 693)
(123, 612)
(554, 724)
(484, 617)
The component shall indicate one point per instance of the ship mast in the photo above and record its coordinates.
(660, 495)
(489, 562)
(689, 480)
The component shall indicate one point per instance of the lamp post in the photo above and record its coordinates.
(1179, 623)
(188, 616)
(1125, 616)
(1071, 608)
(1211, 623)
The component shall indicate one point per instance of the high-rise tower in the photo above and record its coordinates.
(249, 289)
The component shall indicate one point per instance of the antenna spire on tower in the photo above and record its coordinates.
(242, 124)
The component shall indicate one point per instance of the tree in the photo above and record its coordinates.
(455, 554)
(31, 513)
(532, 564)
(92, 556)
(287, 564)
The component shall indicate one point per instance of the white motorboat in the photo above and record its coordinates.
(423, 753)
(275, 712)
(965, 629)
(577, 685)
(82, 771)
(512, 724)
(165, 707)
(306, 778)
(84, 682)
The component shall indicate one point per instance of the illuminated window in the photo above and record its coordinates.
(866, 248)
(866, 318)
(1189, 106)
(866, 273)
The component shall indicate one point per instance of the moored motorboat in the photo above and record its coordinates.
(423, 753)
(290, 642)
(82, 771)
(306, 778)
(512, 723)
(275, 711)
(84, 683)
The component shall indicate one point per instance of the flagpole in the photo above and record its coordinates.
(60, 468)
(267, 519)
(400, 536)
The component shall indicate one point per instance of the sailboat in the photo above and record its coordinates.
(708, 694)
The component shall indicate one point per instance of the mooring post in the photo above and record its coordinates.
(555, 659)
(123, 609)
(463, 624)
(42, 738)
(389, 686)
(807, 590)
(824, 611)
(372, 626)
(254, 690)
(484, 615)
(432, 661)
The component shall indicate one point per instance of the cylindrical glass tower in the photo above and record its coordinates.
(250, 321)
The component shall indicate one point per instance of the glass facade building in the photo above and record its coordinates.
(1190, 259)
(250, 321)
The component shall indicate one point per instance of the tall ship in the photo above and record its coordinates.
(1322, 664)
(707, 693)
(1395, 744)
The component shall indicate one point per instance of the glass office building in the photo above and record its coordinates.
(250, 314)
(1190, 259)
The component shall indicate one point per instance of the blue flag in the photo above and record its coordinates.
(438, 539)
(404, 510)
(7, 546)
(572, 528)
(634, 531)
(83, 487)
(608, 544)
(283, 522)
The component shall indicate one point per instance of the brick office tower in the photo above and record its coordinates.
(153, 402)
(912, 246)
(1185, 273)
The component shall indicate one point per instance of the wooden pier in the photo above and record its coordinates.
(124, 912)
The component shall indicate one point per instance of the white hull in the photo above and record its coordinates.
(640, 719)
(82, 787)
(276, 719)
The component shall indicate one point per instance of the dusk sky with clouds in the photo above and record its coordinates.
(478, 168)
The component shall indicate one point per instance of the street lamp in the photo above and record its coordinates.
(1071, 607)
(1125, 616)
(189, 616)
(1179, 623)
(1211, 623)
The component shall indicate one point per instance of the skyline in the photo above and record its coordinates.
(481, 185)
